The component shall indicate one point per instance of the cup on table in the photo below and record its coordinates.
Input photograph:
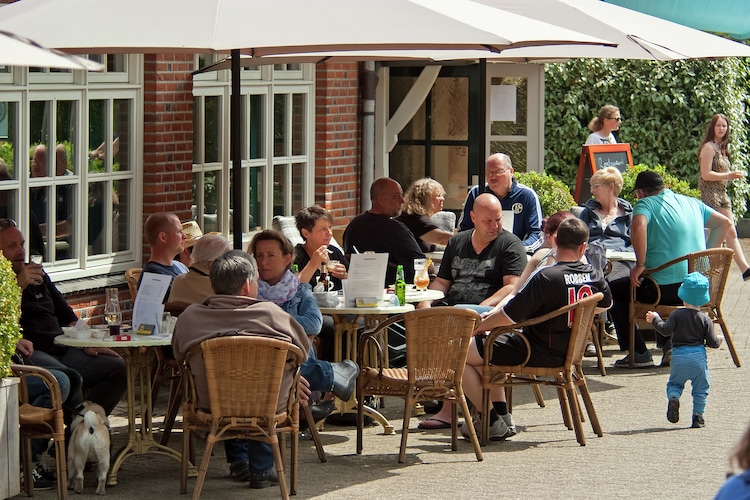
(331, 265)
(421, 275)
(166, 324)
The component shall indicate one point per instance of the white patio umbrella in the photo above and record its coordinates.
(267, 27)
(19, 51)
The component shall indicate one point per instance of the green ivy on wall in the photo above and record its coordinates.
(666, 107)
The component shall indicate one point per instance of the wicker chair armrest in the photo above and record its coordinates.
(372, 336)
(49, 380)
(634, 289)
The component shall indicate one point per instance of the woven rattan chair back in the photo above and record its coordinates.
(132, 276)
(244, 376)
(437, 343)
(565, 378)
(41, 423)
(715, 264)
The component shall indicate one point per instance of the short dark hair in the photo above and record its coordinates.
(571, 233)
(230, 272)
(308, 216)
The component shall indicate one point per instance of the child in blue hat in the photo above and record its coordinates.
(691, 331)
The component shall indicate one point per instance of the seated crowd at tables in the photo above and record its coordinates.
(484, 267)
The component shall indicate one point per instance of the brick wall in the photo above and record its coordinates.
(167, 136)
(337, 140)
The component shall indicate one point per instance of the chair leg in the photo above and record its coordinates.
(313, 431)
(564, 407)
(210, 441)
(597, 334)
(360, 415)
(294, 456)
(485, 434)
(537, 395)
(583, 388)
(472, 432)
(186, 445)
(454, 422)
(176, 395)
(28, 478)
(408, 403)
(279, 466)
(61, 468)
(631, 345)
(575, 410)
(728, 338)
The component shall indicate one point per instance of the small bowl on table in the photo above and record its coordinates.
(75, 333)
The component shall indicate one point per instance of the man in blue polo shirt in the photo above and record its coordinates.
(515, 198)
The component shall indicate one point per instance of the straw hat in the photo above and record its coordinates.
(192, 233)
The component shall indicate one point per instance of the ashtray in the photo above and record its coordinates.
(75, 333)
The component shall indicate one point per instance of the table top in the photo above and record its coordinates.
(383, 308)
(615, 256)
(136, 340)
(414, 295)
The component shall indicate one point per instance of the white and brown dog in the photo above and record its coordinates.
(89, 441)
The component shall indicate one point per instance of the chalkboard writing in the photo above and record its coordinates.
(597, 157)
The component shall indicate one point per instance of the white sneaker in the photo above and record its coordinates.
(499, 431)
(508, 419)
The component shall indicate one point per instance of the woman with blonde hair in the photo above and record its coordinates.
(715, 172)
(424, 198)
(607, 121)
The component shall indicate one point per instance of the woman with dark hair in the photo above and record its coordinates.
(607, 121)
(716, 171)
(314, 225)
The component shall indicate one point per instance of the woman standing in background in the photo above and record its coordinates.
(715, 172)
(603, 125)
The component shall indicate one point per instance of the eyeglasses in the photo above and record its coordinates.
(619, 118)
(497, 173)
(6, 223)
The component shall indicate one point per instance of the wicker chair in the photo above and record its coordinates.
(564, 378)
(167, 371)
(244, 376)
(437, 343)
(714, 264)
(41, 423)
(132, 276)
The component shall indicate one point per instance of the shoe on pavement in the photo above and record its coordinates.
(263, 479)
(590, 351)
(344, 379)
(41, 483)
(239, 471)
(508, 419)
(499, 430)
(642, 360)
(666, 358)
(673, 410)
(45, 471)
(698, 421)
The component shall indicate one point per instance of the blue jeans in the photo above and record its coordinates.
(317, 372)
(39, 396)
(257, 454)
(689, 363)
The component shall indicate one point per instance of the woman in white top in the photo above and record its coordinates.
(603, 125)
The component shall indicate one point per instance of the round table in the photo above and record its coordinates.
(140, 440)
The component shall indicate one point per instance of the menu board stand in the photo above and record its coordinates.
(596, 157)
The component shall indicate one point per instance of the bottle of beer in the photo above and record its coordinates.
(323, 279)
(400, 285)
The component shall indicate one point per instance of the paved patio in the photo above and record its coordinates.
(640, 455)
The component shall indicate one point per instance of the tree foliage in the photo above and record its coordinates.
(666, 107)
(554, 195)
(10, 314)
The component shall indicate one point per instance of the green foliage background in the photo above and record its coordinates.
(10, 314)
(666, 107)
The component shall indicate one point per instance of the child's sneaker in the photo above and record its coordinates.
(698, 421)
(673, 411)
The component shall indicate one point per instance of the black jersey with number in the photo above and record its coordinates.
(548, 289)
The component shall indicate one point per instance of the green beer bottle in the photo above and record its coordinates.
(400, 285)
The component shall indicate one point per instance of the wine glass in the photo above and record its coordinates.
(112, 313)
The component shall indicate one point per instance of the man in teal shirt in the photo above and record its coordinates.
(666, 226)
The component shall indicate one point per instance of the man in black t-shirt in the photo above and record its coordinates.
(482, 265)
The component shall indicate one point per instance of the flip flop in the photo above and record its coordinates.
(433, 423)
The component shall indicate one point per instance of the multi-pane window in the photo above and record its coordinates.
(277, 129)
(68, 165)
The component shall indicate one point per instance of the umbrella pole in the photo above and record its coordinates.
(236, 150)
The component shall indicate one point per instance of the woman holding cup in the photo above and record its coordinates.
(314, 225)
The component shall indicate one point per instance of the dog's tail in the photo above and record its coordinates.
(91, 421)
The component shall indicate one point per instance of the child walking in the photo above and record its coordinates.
(691, 331)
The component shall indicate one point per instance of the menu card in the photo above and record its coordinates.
(149, 306)
(366, 277)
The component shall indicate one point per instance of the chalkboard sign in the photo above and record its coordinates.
(596, 157)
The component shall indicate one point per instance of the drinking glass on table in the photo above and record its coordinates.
(112, 313)
(421, 276)
(331, 265)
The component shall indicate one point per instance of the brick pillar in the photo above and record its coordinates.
(337, 140)
(167, 135)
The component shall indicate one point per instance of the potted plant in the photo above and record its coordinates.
(10, 332)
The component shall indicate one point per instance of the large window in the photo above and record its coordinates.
(277, 130)
(68, 165)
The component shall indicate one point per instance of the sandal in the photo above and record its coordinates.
(433, 423)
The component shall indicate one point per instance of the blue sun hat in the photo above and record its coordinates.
(694, 290)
